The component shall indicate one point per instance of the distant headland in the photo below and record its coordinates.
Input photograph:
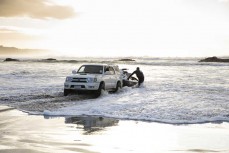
(214, 59)
(17, 51)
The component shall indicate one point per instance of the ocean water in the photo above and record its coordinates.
(175, 91)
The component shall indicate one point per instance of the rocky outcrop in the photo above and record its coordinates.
(126, 59)
(10, 60)
(49, 59)
(214, 59)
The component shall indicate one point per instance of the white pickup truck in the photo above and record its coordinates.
(94, 77)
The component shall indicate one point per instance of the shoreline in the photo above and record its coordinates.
(21, 132)
(178, 123)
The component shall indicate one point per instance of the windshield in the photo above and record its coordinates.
(93, 69)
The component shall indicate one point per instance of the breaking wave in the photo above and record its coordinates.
(134, 61)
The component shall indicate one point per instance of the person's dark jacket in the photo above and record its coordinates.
(139, 75)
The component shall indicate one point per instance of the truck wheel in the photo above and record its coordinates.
(99, 91)
(66, 92)
(118, 86)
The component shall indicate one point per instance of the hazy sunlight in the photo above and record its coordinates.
(122, 28)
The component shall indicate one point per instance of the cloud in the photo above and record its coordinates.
(5, 30)
(40, 9)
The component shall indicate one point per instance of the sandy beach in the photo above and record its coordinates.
(23, 133)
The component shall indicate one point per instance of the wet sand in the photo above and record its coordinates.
(23, 133)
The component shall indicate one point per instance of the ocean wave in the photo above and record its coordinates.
(216, 119)
(124, 105)
(24, 72)
(134, 61)
(188, 93)
(37, 103)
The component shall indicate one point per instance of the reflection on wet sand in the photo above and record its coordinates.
(20, 132)
(91, 124)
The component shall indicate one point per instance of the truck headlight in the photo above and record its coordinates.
(91, 80)
(68, 79)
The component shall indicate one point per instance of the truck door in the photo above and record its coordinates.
(113, 77)
(107, 77)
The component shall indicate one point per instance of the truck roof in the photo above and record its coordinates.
(99, 64)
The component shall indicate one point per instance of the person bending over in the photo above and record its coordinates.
(139, 75)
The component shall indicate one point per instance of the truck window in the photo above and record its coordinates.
(93, 69)
(111, 70)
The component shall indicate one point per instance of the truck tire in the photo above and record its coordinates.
(118, 86)
(99, 91)
(66, 92)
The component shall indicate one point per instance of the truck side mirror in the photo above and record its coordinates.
(74, 71)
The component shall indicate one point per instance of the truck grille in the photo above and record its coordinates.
(79, 80)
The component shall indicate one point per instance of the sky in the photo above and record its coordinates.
(167, 28)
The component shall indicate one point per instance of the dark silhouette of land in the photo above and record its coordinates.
(214, 59)
(11, 60)
(49, 59)
(16, 51)
(126, 59)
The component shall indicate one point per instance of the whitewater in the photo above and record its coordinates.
(175, 91)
